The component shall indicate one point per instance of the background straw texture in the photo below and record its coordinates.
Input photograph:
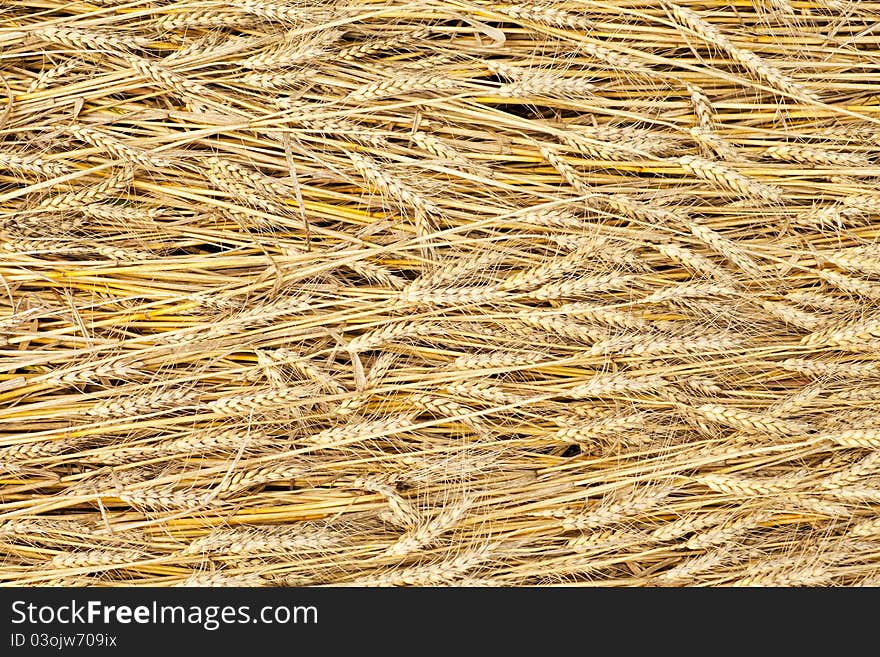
(439, 293)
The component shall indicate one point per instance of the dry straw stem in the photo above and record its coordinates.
(439, 294)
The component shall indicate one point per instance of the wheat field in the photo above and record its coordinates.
(441, 292)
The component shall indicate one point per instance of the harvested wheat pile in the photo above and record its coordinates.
(439, 293)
